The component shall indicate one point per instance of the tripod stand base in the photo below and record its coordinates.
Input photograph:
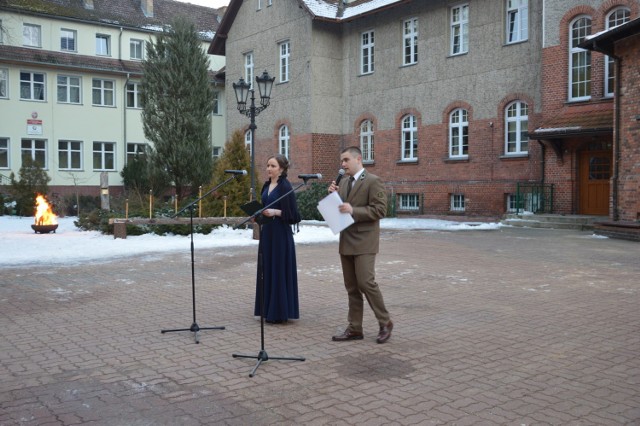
(195, 328)
(263, 356)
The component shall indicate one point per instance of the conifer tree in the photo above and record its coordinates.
(177, 104)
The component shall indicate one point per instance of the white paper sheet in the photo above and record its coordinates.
(329, 209)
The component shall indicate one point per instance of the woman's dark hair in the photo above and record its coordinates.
(283, 162)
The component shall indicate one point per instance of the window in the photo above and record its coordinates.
(68, 89)
(259, 4)
(103, 43)
(36, 149)
(366, 141)
(410, 37)
(31, 35)
(409, 138)
(516, 126)
(136, 49)
(460, 29)
(70, 155)
(615, 18)
(248, 68)
(135, 150)
(459, 134)
(104, 156)
(32, 86)
(217, 151)
(216, 103)
(134, 97)
(68, 40)
(512, 203)
(283, 141)
(4, 153)
(247, 141)
(517, 20)
(103, 92)
(285, 51)
(366, 52)
(457, 202)
(579, 61)
(409, 202)
(4, 83)
(269, 2)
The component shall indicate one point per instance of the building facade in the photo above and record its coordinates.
(70, 75)
(449, 101)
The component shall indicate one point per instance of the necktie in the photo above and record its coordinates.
(351, 180)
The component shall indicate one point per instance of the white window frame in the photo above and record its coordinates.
(103, 45)
(248, 144)
(135, 149)
(459, 28)
(457, 203)
(103, 91)
(33, 85)
(36, 149)
(31, 35)
(70, 87)
(512, 203)
(367, 141)
(104, 153)
(269, 3)
(410, 41)
(136, 49)
(284, 51)
(259, 4)
(5, 157)
(409, 202)
(216, 108)
(616, 17)
(71, 150)
(68, 36)
(516, 118)
(409, 138)
(517, 21)
(216, 151)
(133, 94)
(4, 83)
(459, 133)
(284, 140)
(367, 52)
(579, 59)
(248, 68)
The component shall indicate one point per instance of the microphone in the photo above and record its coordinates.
(236, 172)
(310, 176)
(340, 174)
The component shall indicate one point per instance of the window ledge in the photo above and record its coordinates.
(457, 159)
(407, 161)
(514, 157)
(369, 163)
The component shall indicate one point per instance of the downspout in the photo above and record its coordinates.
(124, 117)
(616, 140)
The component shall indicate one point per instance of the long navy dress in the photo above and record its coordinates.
(278, 256)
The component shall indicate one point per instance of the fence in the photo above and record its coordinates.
(534, 198)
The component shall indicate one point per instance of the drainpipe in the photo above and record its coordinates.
(616, 140)
(124, 117)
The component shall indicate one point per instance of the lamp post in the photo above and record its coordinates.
(242, 90)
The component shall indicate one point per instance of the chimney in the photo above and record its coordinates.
(88, 4)
(147, 7)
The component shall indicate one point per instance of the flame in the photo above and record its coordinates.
(44, 214)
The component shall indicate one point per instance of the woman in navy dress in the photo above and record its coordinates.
(280, 276)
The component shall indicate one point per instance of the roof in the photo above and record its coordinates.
(604, 41)
(122, 13)
(324, 10)
(569, 124)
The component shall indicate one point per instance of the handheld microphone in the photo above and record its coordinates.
(236, 172)
(310, 176)
(340, 174)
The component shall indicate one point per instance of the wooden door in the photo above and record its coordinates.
(595, 172)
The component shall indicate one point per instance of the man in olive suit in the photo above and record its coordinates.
(365, 199)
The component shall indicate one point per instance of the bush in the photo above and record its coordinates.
(308, 201)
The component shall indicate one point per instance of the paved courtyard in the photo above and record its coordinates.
(512, 326)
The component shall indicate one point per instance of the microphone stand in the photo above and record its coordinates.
(195, 328)
(262, 354)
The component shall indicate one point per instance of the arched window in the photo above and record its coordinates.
(366, 141)
(616, 17)
(247, 141)
(516, 120)
(459, 133)
(579, 60)
(409, 138)
(283, 141)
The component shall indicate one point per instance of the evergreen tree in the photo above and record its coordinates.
(234, 157)
(177, 105)
(33, 180)
(140, 175)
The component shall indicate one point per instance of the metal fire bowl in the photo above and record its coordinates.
(44, 229)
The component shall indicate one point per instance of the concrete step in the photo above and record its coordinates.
(547, 224)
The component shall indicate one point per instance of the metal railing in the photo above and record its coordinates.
(534, 197)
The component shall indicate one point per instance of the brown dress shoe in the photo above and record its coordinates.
(385, 332)
(347, 335)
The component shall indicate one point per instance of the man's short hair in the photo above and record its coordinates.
(353, 150)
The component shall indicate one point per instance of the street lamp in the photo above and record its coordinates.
(242, 90)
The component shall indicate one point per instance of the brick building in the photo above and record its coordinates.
(458, 106)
